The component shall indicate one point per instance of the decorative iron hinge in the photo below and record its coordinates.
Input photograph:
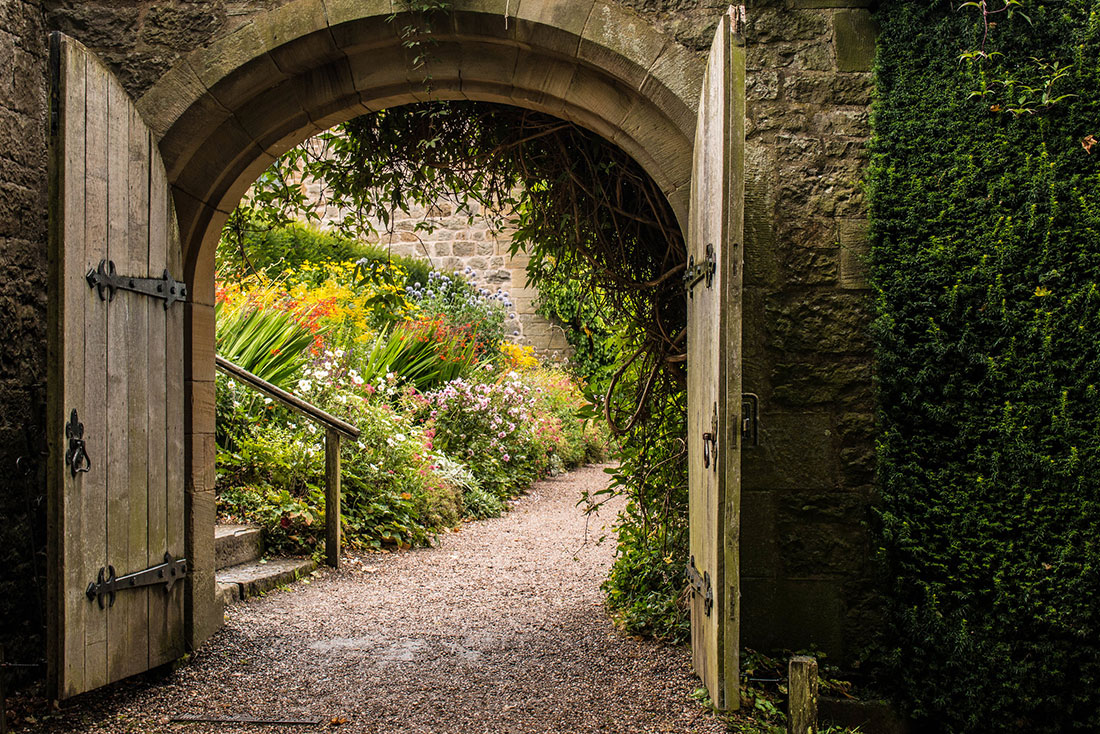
(76, 458)
(104, 278)
(700, 584)
(710, 442)
(750, 419)
(107, 584)
(704, 270)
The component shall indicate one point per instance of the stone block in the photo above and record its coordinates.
(759, 552)
(854, 253)
(819, 321)
(815, 548)
(338, 12)
(201, 606)
(796, 451)
(845, 381)
(834, 506)
(673, 84)
(296, 35)
(620, 42)
(785, 25)
(762, 85)
(182, 27)
(761, 264)
(554, 26)
(825, 88)
(793, 614)
(855, 32)
(236, 67)
(199, 324)
(850, 122)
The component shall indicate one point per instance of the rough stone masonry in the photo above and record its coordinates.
(807, 487)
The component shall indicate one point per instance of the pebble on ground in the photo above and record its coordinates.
(497, 629)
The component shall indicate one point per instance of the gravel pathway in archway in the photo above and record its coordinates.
(498, 628)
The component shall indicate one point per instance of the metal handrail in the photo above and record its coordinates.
(334, 429)
(294, 402)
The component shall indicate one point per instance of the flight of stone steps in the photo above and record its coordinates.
(242, 570)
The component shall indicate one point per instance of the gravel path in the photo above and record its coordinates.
(498, 628)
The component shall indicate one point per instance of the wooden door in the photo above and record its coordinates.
(115, 392)
(714, 364)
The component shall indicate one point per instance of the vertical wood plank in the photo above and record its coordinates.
(157, 480)
(175, 643)
(137, 224)
(66, 364)
(732, 354)
(120, 616)
(332, 498)
(95, 367)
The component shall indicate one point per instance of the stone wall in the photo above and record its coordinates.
(807, 491)
(22, 329)
(807, 488)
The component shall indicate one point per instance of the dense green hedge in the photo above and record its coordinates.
(986, 257)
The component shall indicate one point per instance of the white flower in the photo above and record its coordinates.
(305, 385)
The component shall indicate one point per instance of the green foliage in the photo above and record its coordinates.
(585, 316)
(423, 353)
(645, 589)
(986, 259)
(249, 245)
(269, 343)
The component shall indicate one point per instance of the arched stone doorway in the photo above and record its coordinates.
(226, 111)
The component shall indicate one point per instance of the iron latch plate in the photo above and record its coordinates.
(702, 271)
(750, 419)
(76, 457)
(700, 584)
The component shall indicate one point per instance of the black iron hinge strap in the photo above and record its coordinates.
(105, 279)
(107, 584)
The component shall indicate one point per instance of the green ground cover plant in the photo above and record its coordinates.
(986, 258)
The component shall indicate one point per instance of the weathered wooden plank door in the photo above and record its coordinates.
(714, 364)
(115, 394)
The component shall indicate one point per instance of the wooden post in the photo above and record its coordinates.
(3, 696)
(332, 498)
(802, 695)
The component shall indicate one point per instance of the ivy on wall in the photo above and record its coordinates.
(985, 207)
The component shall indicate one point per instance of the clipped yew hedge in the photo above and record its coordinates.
(986, 260)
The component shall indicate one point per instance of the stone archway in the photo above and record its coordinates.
(226, 111)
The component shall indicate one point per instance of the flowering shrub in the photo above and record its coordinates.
(451, 298)
(487, 427)
(517, 358)
(453, 420)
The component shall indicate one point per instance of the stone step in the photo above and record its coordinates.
(236, 544)
(250, 579)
